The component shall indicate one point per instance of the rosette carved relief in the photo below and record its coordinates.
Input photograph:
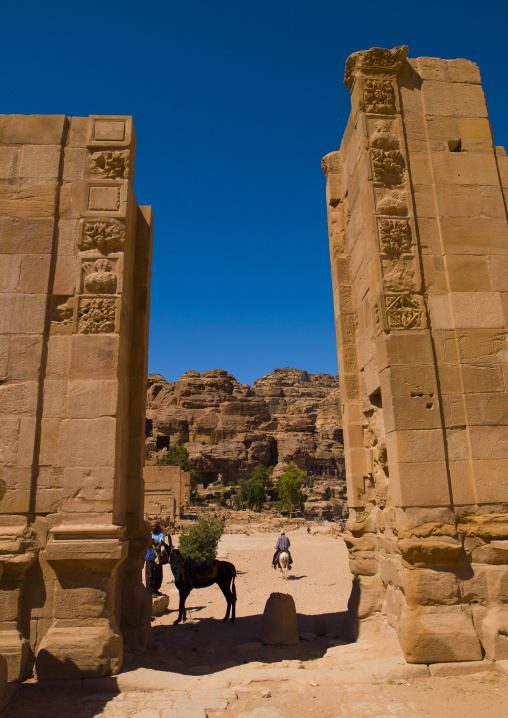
(97, 315)
(379, 97)
(388, 166)
(395, 235)
(110, 164)
(104, 235)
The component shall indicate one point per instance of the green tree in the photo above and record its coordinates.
(291, 496)
(252, 493)
(200, 541)
(177, 456)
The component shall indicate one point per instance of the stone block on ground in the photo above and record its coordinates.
(159, 604)
(307, 636)
(184, 713)
(320, 627)
(264, 713)
(249, 647)
(463, 668)
(279, 623)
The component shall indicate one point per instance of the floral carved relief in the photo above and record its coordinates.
(395, 235)
(97, 315)
(98, 277)
(405, 311)
(109, 164)
(388, 166)
(379, 97)
(102, 235)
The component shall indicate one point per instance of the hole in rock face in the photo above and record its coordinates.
(162, 442)
(148, 427)
(455, 145)
(429, 405)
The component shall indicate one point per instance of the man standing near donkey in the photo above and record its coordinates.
(153, 570)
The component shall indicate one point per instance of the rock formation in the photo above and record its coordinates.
(229, 428)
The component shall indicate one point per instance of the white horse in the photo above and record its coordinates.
(284, 564)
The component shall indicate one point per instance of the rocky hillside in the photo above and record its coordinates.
(228, 428)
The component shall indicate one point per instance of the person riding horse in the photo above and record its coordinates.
(283, 544)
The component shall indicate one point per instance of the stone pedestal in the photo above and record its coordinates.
(84, 639)
(279, 625)
(419, 271)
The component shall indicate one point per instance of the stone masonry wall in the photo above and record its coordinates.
(419, 251)
(167, 491)
(75, 253)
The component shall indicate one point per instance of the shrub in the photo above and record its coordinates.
(201, 540)
(252, 493)
(177, 456)
(291, 497)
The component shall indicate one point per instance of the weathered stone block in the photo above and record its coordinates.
(438, 634)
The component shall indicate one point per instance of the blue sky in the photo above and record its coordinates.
(235, 102)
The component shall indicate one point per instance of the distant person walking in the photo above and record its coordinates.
(153, 571)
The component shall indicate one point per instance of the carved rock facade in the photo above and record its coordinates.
(229, 428)
(73, 350)
(420, 276)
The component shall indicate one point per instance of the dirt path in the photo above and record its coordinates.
(208, 668)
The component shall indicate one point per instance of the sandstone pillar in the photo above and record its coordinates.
(418, 244)
(75, 252)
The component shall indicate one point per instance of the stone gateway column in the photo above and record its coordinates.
(419, 251)
(75, 255)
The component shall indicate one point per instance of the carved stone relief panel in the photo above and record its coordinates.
(388, 166)
(377, 60)
(405, 311)
(99, 276)
(399, 273)
(394, 235)
(391, 202)
(97, 315)
(104, 235)
(105, 197)
(379, 97)
(110, 164)
(62, 315)
(383, 136)
(109, 131)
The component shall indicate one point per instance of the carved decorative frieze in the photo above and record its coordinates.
(97, 315)
(395, 235)
(383, 137)
(379, 97)
(405, 311)
(63, 311)
(392, 202)
(399, 273)
(104, 235)
(110, 164)
(388, 166)
(377, 60)
(62, 315)
(98, 277)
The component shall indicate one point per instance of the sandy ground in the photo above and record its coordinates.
(209, 668)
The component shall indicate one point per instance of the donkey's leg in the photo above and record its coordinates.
(223, 584)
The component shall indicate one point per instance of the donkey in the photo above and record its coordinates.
(284, 564)
(225, 579)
